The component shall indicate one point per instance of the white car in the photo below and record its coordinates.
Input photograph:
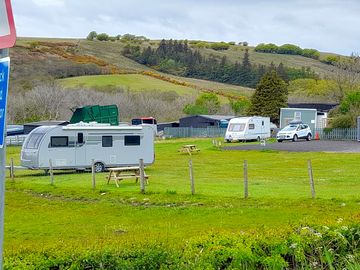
(294, 132)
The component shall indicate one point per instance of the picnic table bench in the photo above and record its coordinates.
(189, 148)
(121, 173)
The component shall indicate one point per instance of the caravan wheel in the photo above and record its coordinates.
(99, 167)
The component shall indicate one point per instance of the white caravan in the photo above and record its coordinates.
(248, 128)
(75, 145)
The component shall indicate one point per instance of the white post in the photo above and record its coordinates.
(93, 173)
(192, 182)
(51, 172)
(312, 185)
(246, 191)
(142, 176)
(12, 174)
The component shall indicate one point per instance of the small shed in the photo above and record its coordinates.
(28, 127)
(203, 121)
(162, 126)
(322, 111)
(307, 116)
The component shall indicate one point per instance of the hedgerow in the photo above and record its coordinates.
(307, 247)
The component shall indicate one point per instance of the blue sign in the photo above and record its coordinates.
(4, 83)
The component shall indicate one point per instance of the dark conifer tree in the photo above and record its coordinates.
(270, 95)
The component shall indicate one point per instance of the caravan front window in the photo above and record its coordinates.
(236, 127)
(34, 140)
(59, 141)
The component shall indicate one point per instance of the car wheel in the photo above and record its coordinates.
(308, 137)
(228, 141)
(99, 167)
(295, 138)
(279, 140)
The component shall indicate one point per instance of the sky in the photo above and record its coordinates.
(325, 25)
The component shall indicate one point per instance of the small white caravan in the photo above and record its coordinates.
(75, 145)
(248, 128)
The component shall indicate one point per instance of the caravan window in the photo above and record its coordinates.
(80, 138)
(107, 141)
(251, 126)
(236, 127)
(136, 122)
(132, 140)
(34, 140)
(148, 121)
(59, 141)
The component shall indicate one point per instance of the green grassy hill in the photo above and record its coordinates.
(129, 82)
(40, 59)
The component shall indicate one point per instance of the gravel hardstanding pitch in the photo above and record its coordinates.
(303, 146)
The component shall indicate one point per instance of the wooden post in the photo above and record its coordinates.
(246, 191)
(191, 177)
(12, 173)
(142, 176)
(93, 173)
(312, 186)
(51, 172)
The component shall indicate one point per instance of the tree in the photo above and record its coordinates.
(102, 37)
(346, 77)
(91, 36)
(270, 95)
(348, 111)
(239, 107)
(207, 103)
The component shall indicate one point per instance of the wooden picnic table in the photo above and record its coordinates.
(189, 148)
(121, 173)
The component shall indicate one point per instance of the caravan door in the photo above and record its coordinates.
(80, 150)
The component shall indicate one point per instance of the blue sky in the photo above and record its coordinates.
(326, 25)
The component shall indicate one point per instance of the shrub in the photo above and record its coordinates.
(219, 46)
(290, 49)
(311, 53)
(267, 48)
(331, 59)
(342, 121)
(102, 37)
(307, 247)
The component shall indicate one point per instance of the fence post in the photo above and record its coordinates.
(12, 174)
(51, 172)
(246, 191)
(142, 176)
(312, 186)
(93, 173)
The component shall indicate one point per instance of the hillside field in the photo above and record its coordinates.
(56, 220)
(130, 82)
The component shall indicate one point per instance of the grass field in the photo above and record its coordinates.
(131, 82)
(40, 216)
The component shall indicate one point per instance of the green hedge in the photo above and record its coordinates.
(305, 248)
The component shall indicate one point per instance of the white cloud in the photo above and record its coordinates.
(326, 25)
(49, 3)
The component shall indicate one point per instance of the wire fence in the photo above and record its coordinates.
(349, 134)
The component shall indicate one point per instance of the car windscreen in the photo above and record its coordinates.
(289, 128)
(34, 140)
(236, 127)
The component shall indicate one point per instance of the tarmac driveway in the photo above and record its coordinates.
(302, 146)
